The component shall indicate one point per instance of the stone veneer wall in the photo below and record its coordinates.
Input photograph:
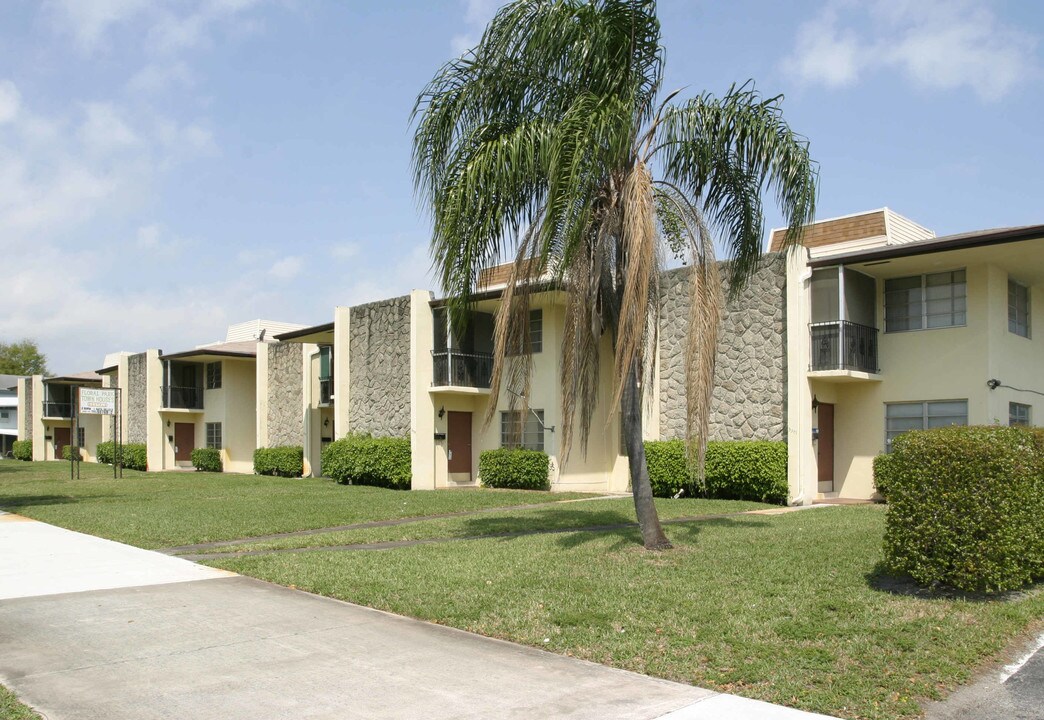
(379, 368)
(749, 400)
(285, 390)
(137, 392)
(27, 421)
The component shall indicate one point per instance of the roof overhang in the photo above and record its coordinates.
(203, 355)
(320, 334)
(926, 247)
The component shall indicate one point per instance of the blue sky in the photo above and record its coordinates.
(168, 167)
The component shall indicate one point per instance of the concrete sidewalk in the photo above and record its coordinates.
(95, 629)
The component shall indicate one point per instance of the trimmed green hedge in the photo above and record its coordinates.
(736, 470)
(207, 459)
(365, 460)
(67, 452)
(283, 461)
(883, 469)
(133, 455)
(966, 507)
(22, 450)
(515, 468)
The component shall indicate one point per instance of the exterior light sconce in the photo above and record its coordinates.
(326, 422)
(168, 423)
(993, 383)
(442, 412)
(815, 403)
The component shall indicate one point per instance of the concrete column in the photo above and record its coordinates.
(154, 426)
(342, 370)
(422, 407)
(39, 441)
(801, 457)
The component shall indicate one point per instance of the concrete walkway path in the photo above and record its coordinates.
(94, 629)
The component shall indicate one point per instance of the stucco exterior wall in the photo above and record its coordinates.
(379, 368)
(285, 387)
(749, 398)
(137, 404)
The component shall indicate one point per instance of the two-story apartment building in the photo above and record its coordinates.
(46, 411)
(8, 413)
(891, 329)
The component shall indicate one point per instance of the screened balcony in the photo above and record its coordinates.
(462, 357)
(182, 385)
(843, 331)
(452, 368)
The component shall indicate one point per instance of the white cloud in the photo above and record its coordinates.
(936, 44)
(105, 130)
(286, 268)
(344, 250)
(149, 236)
(477, 14)
(10, 101)
(88, 20)
(157, 77)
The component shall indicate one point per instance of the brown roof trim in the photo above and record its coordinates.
(494, 294)
(71, 379)
(203, 352)
(294, 334)
(959, 241)
(107, 370)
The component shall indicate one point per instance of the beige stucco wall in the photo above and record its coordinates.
(601, 469)
(922, 365)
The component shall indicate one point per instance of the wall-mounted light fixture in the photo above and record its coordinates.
(326, 422)
(168, 423)
(815, 403)
(442, 412)
(993, 383)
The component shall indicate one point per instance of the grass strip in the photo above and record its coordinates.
(165, 509)
(788, 608)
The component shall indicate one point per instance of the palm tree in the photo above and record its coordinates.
(541, 142)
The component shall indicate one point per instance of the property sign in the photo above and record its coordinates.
(97, 401)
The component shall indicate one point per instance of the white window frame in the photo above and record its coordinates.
(213, 379)
(1013, 410)
(924, 315)
(214, 437)
(1014, 289)
(924, 417)
(532, 435)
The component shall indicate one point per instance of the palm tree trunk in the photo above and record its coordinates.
(631, 416)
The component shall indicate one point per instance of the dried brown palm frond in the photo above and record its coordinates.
(636, 266)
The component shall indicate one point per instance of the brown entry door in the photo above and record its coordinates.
(458, 442)
(184, 441)
(826, 447)
(62, 437)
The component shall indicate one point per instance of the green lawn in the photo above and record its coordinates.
(11, 709)
(785, 608)
(154, 510)
(565, 516)
(781, 608)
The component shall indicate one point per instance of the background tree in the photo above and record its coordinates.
(542, 142)
(22, 358)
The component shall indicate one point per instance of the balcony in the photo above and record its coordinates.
(182, 398)
(452, 368)
(326, 391)
(57, 409)
(841, 348)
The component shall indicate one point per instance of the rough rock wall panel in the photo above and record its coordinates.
(379, 368)
(27, 421)
(285, 390)
(137, 389)
(749, 400)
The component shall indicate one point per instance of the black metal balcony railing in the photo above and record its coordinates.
(843, 345)
(326, 391)
(458, 369)
(57, 409)
(185, 398)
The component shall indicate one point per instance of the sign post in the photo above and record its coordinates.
(105, 401)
